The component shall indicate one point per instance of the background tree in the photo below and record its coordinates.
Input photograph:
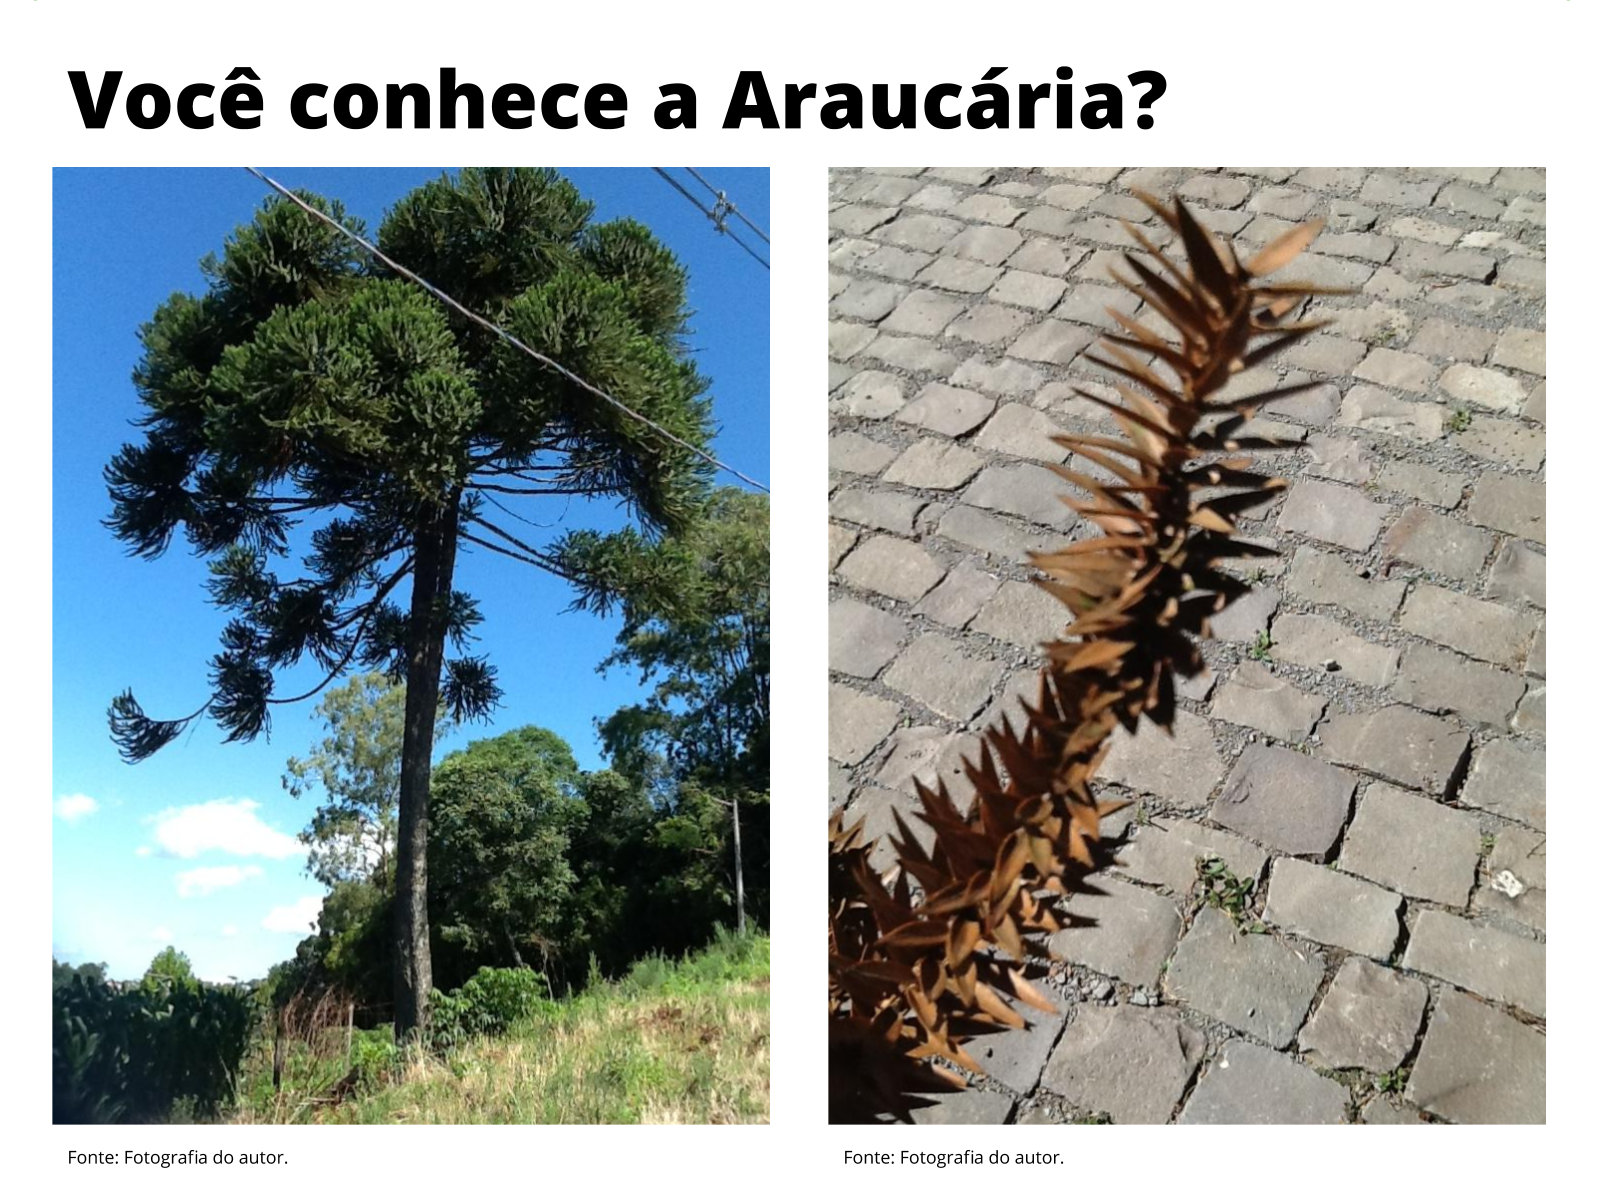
(357, 767)
(504, 813)
(705, 727)
(171, 965)
(308, 384)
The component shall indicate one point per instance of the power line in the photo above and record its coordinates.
(722, 199)
(718, 214)
(499, 332)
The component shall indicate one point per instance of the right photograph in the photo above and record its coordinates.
(1186, 639)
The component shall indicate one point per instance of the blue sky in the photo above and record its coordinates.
(195, 846)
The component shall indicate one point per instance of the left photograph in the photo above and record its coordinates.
(410, 646)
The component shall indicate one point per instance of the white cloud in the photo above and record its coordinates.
(142, 852)
(299, 917)
(229, 930)
(161, 934)
(228, 825)
(202, 881)
(75, 807)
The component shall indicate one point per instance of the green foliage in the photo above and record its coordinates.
(131, 1054)
(61, 973)
(1221, 888)
(169, 966)
(505, 810)
(357, 769)
(488, 1004)
(1261, 649)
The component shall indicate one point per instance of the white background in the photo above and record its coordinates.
(1340, 83)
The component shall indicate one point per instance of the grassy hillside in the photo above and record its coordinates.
(674, 1042)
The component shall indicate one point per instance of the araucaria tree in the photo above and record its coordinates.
(308, 386)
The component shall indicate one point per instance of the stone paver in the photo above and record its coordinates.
(1285, 800)
(1413, 844)
(1369, 1018)
(1248, 1085)
(1507, 778)
(1133, 1064)
(1253, 982)
(1398, 744)
(1494, 964)
(1479, 1066)
(1257, 698)
(1331, 513)
(1131, 935)
(861, 639)
(1333, 908)
(1391, 723)
(1181, 768)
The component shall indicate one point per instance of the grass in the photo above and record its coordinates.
(675, 1042)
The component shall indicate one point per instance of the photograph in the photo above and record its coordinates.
(411, 686)
(1186, 640)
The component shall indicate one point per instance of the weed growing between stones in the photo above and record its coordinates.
(934, 952)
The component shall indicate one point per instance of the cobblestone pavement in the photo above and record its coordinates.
(1370, 745)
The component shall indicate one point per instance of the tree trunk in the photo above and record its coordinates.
(738, 865)
(511, 945)
(432, 575)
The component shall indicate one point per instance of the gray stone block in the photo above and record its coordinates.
(1312, 641)
(1248, 1085)
(1246, 617)
(1509, 504)
(894, 512)
(1131, 934)
(1496, 965)
(861, 639)
(934, 671)
(1442, 682)
(1261, 700)
(1331, 513)
(857, 722)
(1252, 982)
(934, 464)
(1181, 768)
(1413, 844)
(959, 596)
(1024, 431)
(947, 410)
(1397, 369)
(877, 809)
(1517, 575)
(1333, 908)
(873, 394)
(1024, 615)
(893, 567)
(1479, 1066)
(1516, 877)
(1024, 489)
(1484, 387)
(1378, 411)
(1443, 488)
(1368, 1018)
(1129, 1063)
(983, 531)
(1165, 852)
(857, 455)
(1324, 578)
(1289, 801)
(1507, 779)
(1015, 1057)
(1424, 539)
(1398, 744)
(966, 1107)
(1478, 628)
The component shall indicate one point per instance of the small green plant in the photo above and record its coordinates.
(1261, 648)
(1487, 844)
(1256, 576)
(1221, 888)
(1141, 814)
(1393, 1082)
(1460, 420)
(1094, 1118)
(489, 1003)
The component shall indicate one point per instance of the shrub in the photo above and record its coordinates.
(489, 1003)
(130, 1054)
